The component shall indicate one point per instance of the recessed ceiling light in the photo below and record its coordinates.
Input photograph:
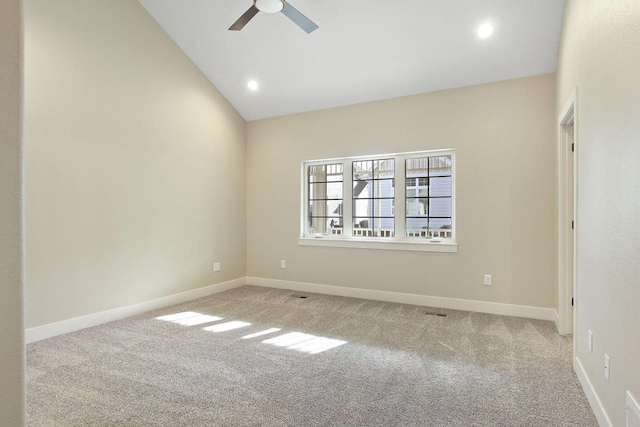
(253, 85)
(485, 31)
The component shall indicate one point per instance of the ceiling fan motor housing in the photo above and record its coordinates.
(269, 6)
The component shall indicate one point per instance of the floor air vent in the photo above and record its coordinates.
(299, 296)
(432, 313)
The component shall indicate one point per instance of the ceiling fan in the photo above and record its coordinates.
(274, 6)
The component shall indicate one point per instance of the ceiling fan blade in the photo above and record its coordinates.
(298, 18)
(246, 17)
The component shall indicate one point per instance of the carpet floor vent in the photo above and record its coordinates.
(432, 313)
(299, 296)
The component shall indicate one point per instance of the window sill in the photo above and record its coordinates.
(384, 244)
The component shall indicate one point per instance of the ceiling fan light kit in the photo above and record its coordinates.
(274, 6)
(269, 6)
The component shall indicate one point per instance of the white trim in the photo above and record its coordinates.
(568, 114)
(70, 325)
(413, 299)
(632, 408)
(592, 396)
(393, 245)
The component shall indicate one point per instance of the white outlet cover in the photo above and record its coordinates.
(607, 366)
(487, 279)
(283, 264)
(590, 341)
(216, 266)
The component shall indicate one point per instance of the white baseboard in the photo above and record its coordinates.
(52, 329)
(414, 299)
(556, 320)
(592, 396)
(70, 325)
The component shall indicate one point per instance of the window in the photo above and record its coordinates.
(402, 201)
(325, 188)
(373, 199)
(429, 196)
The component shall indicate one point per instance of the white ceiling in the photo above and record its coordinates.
(364, 50)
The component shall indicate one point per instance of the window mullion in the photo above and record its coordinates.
(399, 194)
(347, 199)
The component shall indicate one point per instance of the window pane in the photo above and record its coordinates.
(440, 166)
(363, 208)
(440, 207)
(373, 227)
(418, 207)
(440, 227)
(429, 227)
(383, 188)
(373, 189)
(327, 208)
(317, 173)
(384, 168)
(362, 189)
(325, 185)
(440, 186)
(417, 227)
(324, 173)
(317, 225)
(363, 170)
(332, 190)
(373, 208)
(417, 167)
(322, 225)
(373, 169)
(335, 172)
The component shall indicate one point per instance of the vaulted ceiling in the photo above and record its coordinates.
(364, 50)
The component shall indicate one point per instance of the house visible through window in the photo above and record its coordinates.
(401, 197)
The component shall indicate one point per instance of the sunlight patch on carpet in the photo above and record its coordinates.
(189, 318)
(305, 343)
(261, 333)
(223, 327)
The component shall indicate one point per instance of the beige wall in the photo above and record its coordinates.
(134, 163)
(11, 303)
(506, 221)
(600, 53)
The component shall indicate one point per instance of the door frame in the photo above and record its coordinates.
(567, 264)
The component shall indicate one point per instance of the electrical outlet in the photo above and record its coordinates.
(283, 264)
(216, 267)
(590, 341)
(607, 366)
(487, 279)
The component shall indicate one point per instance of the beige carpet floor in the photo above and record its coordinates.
(333, 361)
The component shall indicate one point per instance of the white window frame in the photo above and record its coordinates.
(400, 241)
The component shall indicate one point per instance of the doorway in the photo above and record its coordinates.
(567, 215)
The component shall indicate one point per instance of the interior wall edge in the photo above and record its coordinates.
(592, 396)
